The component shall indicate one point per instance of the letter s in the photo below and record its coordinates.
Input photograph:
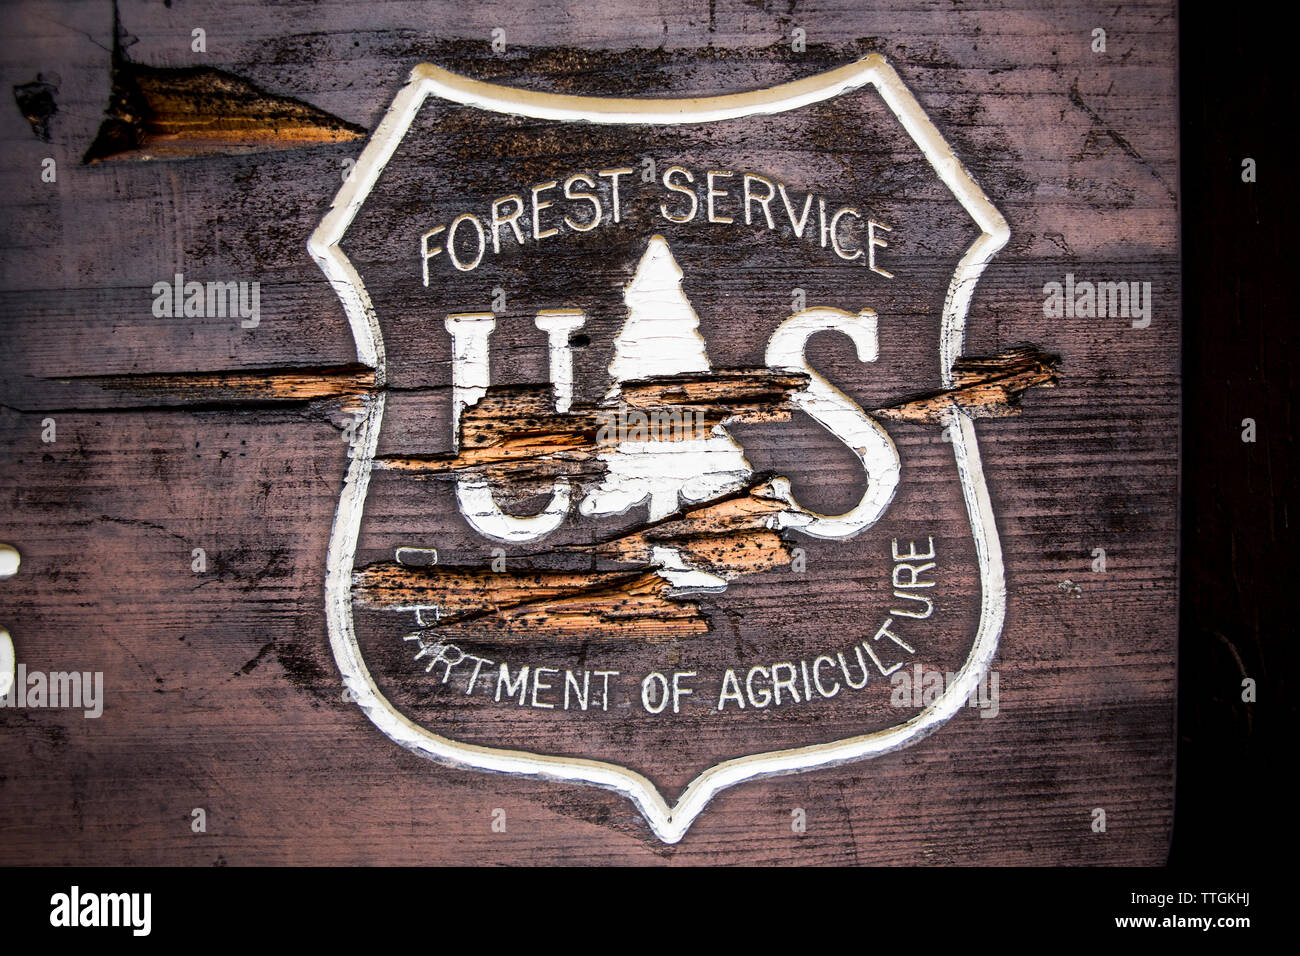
(840, 416)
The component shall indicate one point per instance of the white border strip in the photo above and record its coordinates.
(668, 823)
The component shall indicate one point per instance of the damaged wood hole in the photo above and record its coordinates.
(514, 434)
(517, 425)
(198, 111)
(36, 100)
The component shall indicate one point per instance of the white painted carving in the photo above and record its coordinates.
(559, 325)
(471, 375)
(682, 576)
(839, 415)
(9, 561)
(669, 821)
(661, 337)
(471, 371)
(6, 662)
(474, 495)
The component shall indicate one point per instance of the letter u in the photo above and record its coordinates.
(929, 605)
(471, 376)
(845, 668)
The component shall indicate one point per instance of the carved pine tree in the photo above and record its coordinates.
(661, 338)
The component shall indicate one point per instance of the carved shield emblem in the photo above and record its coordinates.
(667, 474)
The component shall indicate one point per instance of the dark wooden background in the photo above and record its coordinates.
(1239, 551)
(221, 691)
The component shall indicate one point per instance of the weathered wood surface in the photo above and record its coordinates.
(221, 691)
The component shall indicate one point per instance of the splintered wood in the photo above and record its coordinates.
(730, 536)
(156, 112)
(241, 386)
(983, 386)
(513, 433)
(514, 437)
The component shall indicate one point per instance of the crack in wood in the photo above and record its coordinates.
(513, 434)
(730, 536)
(239, 386)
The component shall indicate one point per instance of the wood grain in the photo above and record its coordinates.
(176, 434)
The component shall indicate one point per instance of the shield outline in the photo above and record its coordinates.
(668, 822)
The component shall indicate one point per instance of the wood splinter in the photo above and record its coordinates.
(983, 387)
(157, 112)
(729, 536)
(237, 386)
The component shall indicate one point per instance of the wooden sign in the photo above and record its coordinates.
(757, 448)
